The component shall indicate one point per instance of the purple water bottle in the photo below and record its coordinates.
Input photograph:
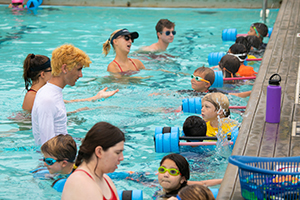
(273, 99)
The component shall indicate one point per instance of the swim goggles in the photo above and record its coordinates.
(51, 161)
(255, 30)
(168, 33)
(237, 55)
(198, 78)
(172, 171)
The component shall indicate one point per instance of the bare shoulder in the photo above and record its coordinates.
(138, 63)
(28, 100)
(111, 183)
(152, 47)
(113, 67)
(80, 186)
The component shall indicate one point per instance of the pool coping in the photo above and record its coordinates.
(256, 137)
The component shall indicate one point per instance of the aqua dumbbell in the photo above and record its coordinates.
(215, 57)
(166, 139)
(219, 82)
(270, 30)
(130, 194)
(192, 105)
(229, 34)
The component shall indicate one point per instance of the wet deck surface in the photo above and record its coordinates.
(256, 137)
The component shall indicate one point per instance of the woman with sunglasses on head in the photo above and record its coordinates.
(36, 73)
(173, 175)
(101, 152)
(121, 41)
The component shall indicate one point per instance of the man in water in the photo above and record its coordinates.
(165, 34)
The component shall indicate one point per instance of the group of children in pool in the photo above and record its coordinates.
(100, 153)
(102, 148)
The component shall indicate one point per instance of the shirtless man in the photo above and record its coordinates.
(165, 34)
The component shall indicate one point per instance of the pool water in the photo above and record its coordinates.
(133, 109)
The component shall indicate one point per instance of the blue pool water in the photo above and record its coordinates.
(133, 109)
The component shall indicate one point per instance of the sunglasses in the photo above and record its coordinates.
(198, 78)
(49, 70)
(168, 33)
(172, 171)
(50, 161)
(127, 38)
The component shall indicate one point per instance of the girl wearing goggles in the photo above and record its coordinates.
(173, 175)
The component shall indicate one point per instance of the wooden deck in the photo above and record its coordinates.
(256, 137)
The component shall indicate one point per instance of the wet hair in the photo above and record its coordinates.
(243, 40)
(32, 69)
(101, 134)
(106, 45)
(220, 102)
(69, 55)
(238, 48)
(163, 23)
(181, 163)
(194, 126)
(229, 65)
(261, 28)
(61, 146)
(253, 41)
(209, 74)
(196, 192)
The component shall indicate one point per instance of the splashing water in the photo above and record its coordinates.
(225, 126)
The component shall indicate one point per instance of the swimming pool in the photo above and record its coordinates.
(132, 109)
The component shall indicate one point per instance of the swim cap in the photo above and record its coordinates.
(17, 1)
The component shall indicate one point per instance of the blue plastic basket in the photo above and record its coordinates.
(268, 178)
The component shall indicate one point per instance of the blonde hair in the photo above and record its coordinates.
(61, 146)
(196, 192)
(219, 100)
(69, 55)
(106, 44)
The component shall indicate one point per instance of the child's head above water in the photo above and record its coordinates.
(229, 64)
(59, 154)
(194, 126)
(196, 192)
(215, 105)
(254, 41)
(174, 171)
(202, 79)
(238, 50)
(258, 29)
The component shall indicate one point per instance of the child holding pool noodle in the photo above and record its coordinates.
(259, 30)
(173, 175)
(215, 111)
(239, 50)
(194, 126)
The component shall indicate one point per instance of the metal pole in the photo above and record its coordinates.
(265, 4)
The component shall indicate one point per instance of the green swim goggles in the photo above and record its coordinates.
(172, 171)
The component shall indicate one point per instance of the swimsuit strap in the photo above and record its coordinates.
(32, 90)
(113, 197)
(134, 65)
(118, 65)
(84, 172)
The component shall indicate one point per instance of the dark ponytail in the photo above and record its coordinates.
(31, 70)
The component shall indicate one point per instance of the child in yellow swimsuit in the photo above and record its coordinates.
(215, 111)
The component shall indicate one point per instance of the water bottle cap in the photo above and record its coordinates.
(275, 79)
